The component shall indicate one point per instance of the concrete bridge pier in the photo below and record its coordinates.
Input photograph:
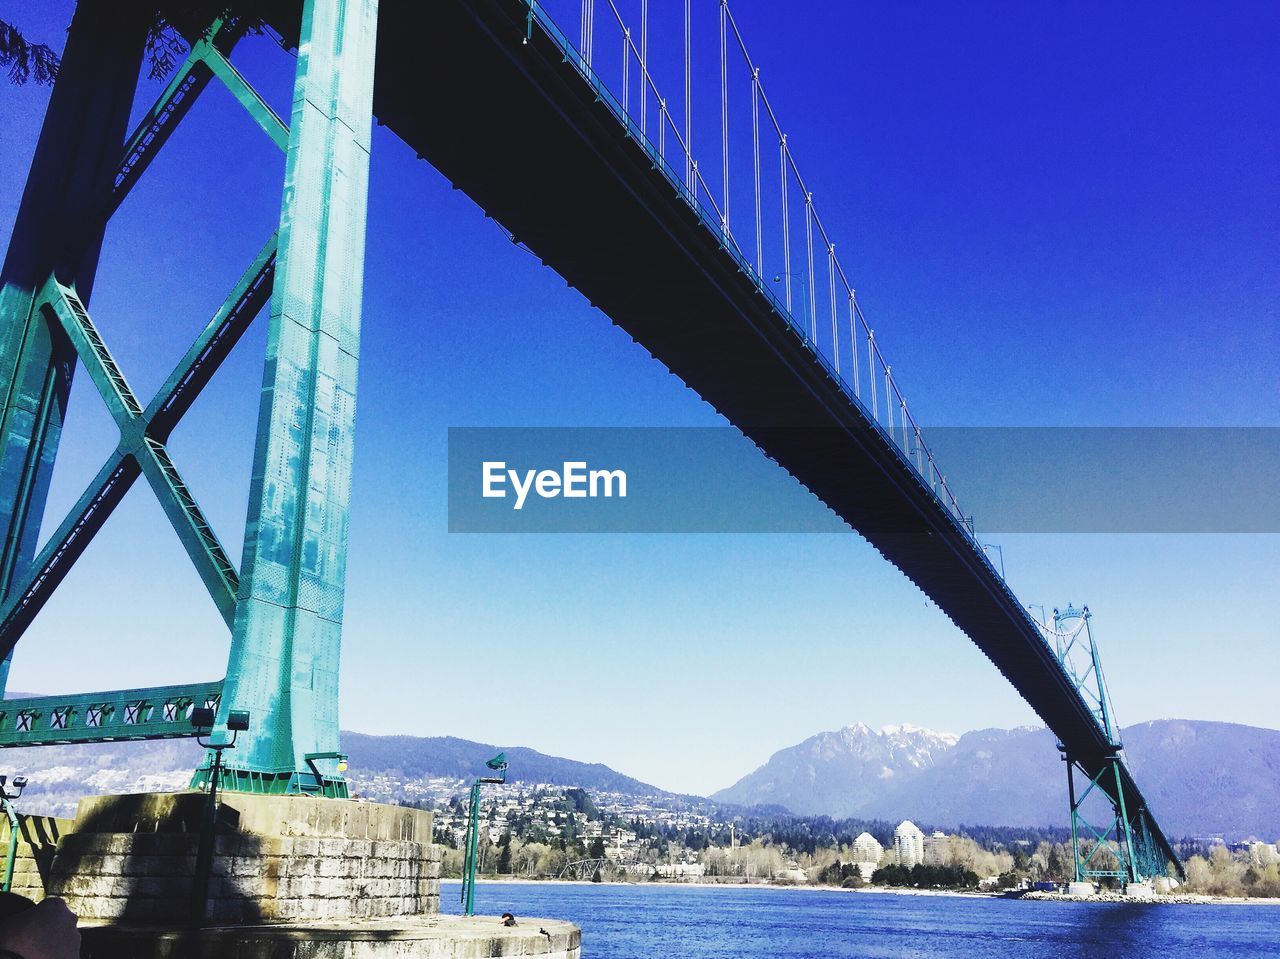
(293, 877)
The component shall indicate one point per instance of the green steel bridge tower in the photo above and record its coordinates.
(283, 605)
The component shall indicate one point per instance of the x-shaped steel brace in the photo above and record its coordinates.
(206, 60)
(143, 433)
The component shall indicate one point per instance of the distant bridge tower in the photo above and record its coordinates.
(1123, 848)
(284, 604)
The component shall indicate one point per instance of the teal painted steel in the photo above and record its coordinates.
(286, 632)
(471, 856)
(1089, 842)
(71, 173)
(56, 237)
(30, 591)
(160, 712)
(471, 852)
(1077, 652)
(249, 98)
(284, 655)
(1130, 833)
(184, 87)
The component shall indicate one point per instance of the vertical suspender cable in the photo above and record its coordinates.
(888, 397)
(626, 76)
(786, 224)
(853, 344)
(644, 66)
(831, 281)
(872, 388)
(724, 112)
(662, 130)
(810, 306)
(755, 150)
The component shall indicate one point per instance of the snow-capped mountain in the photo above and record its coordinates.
(1202, 778)
(839, 772)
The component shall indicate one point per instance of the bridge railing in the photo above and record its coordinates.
(781, 242)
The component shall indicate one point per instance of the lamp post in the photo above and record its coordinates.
(315, 770)
(6, 802)
(1000, 551)
(202, 719)
(499, 765)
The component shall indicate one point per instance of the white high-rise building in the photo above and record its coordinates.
(908, 844)
(866, 848)
(866, 853)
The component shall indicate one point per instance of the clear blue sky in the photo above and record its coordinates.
(1062, 215)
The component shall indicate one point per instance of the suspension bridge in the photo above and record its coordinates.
(632, 147)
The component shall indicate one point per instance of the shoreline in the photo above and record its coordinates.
(1171, 899)
(781, 887)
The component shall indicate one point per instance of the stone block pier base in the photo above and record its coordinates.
(276, 859)
(293, 877)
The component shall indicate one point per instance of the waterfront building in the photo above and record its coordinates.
(866, 848)
(908, 844)
(935, 849)
(1263, 853)
(866, 853)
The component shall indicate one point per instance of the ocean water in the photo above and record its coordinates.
(672, 922)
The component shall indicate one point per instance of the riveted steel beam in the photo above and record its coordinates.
(202, 545)
(57, 231)
(179, 95)
(243, 91)
(284, 658)
(159, 712)
(47, 327)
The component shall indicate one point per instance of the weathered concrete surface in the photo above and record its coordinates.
(302, 816)
(37, 841)
(434, 937)
(276, 859)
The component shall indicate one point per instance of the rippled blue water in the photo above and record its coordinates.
(665, 922)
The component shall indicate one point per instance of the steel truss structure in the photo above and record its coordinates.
(283, 605)
(1123, 847)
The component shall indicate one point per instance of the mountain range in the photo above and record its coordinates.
(409, 758)
(385, 768)
(842, 772)
(1201, 778)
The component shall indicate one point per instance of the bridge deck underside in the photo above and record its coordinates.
(519, 131)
